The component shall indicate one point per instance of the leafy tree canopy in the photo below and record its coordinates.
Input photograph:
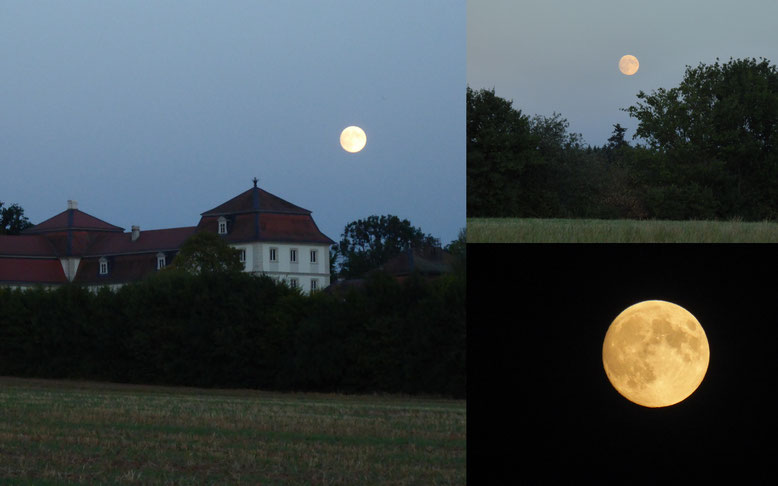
(206, 252)
(720, 127)
(500, 146)
(368, 243)
(12, 220)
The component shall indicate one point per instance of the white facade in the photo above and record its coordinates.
(306, 265)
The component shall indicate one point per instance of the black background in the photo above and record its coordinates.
(540, 407)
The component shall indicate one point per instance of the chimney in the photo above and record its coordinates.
(135, 232)
(72, 204)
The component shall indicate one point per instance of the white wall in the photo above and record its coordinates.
(258, 261)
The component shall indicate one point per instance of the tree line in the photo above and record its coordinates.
(708, 152)
(232, 329)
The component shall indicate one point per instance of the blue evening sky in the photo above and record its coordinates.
(562, 55)
(150, 112)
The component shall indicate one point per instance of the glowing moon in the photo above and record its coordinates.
(353, 139)
(655, 353)
(629, 65)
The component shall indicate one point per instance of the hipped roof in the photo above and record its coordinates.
(255, 199)
(72, 219)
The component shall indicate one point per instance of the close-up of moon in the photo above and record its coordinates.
(629, 65)
(353, 139)
(655, 353)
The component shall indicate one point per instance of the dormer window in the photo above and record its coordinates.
(103, 266)
(161, 261)
(222, 225)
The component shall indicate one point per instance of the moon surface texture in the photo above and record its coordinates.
(629, 65)
(353, 139)
(655, 353)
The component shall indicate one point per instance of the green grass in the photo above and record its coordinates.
(60, 432)
(518, 230)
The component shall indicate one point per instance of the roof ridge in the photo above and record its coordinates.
(65, 220)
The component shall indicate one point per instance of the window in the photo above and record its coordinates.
(293, 283)
(243, 256)
(313, 256)
(274, 254)
(314, 284)
(160, 261)
(103, 266)
(293, 255)
(222, 226)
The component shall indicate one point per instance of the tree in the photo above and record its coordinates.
(616, 141)
(458, 247)
(12, 220)
(499, 149)
(206, 252)
(718, 130)
(368, 243)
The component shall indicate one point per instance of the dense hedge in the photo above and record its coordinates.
(236, 330)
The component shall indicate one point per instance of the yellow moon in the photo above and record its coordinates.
(353, 139)
(629, 65)
(655, 353)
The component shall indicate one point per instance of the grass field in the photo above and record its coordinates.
(515, 230)
(60, 432)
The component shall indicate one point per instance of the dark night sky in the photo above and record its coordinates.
(537, 318)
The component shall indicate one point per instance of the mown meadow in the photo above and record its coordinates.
(70, 432)
(529, 230)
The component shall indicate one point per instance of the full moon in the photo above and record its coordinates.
(353, 139)
(655, 353)
(629, 65)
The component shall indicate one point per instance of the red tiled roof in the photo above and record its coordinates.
(287, 227)
(428, 261)
(26, 245)
(148, 241)
(121, 269)
(255, 199)
(31, 270)
(80, 221)
(272, 227)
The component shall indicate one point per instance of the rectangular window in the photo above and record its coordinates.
(103, 267)
(222, 227)
(273, 254)
(293, 255)
(313, 256)
(293, 283)
(160, 262)
(314, 284)
(243, 256)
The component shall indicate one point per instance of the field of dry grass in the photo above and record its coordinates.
(61, 432)
(527, 230)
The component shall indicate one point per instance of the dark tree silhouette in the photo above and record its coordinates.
(12, 220)
(368, 243)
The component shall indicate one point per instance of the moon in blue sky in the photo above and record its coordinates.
(353, 139)
(629, 65)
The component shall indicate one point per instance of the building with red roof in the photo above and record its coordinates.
(274, 236)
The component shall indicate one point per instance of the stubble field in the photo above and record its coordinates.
(527, 230)
(61, 432)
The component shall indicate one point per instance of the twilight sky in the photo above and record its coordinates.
(562, 55)
(152, 112)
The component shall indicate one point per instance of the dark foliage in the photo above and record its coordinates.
(236, 330)
(368, 243)
(710, 154)
(12, 220)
